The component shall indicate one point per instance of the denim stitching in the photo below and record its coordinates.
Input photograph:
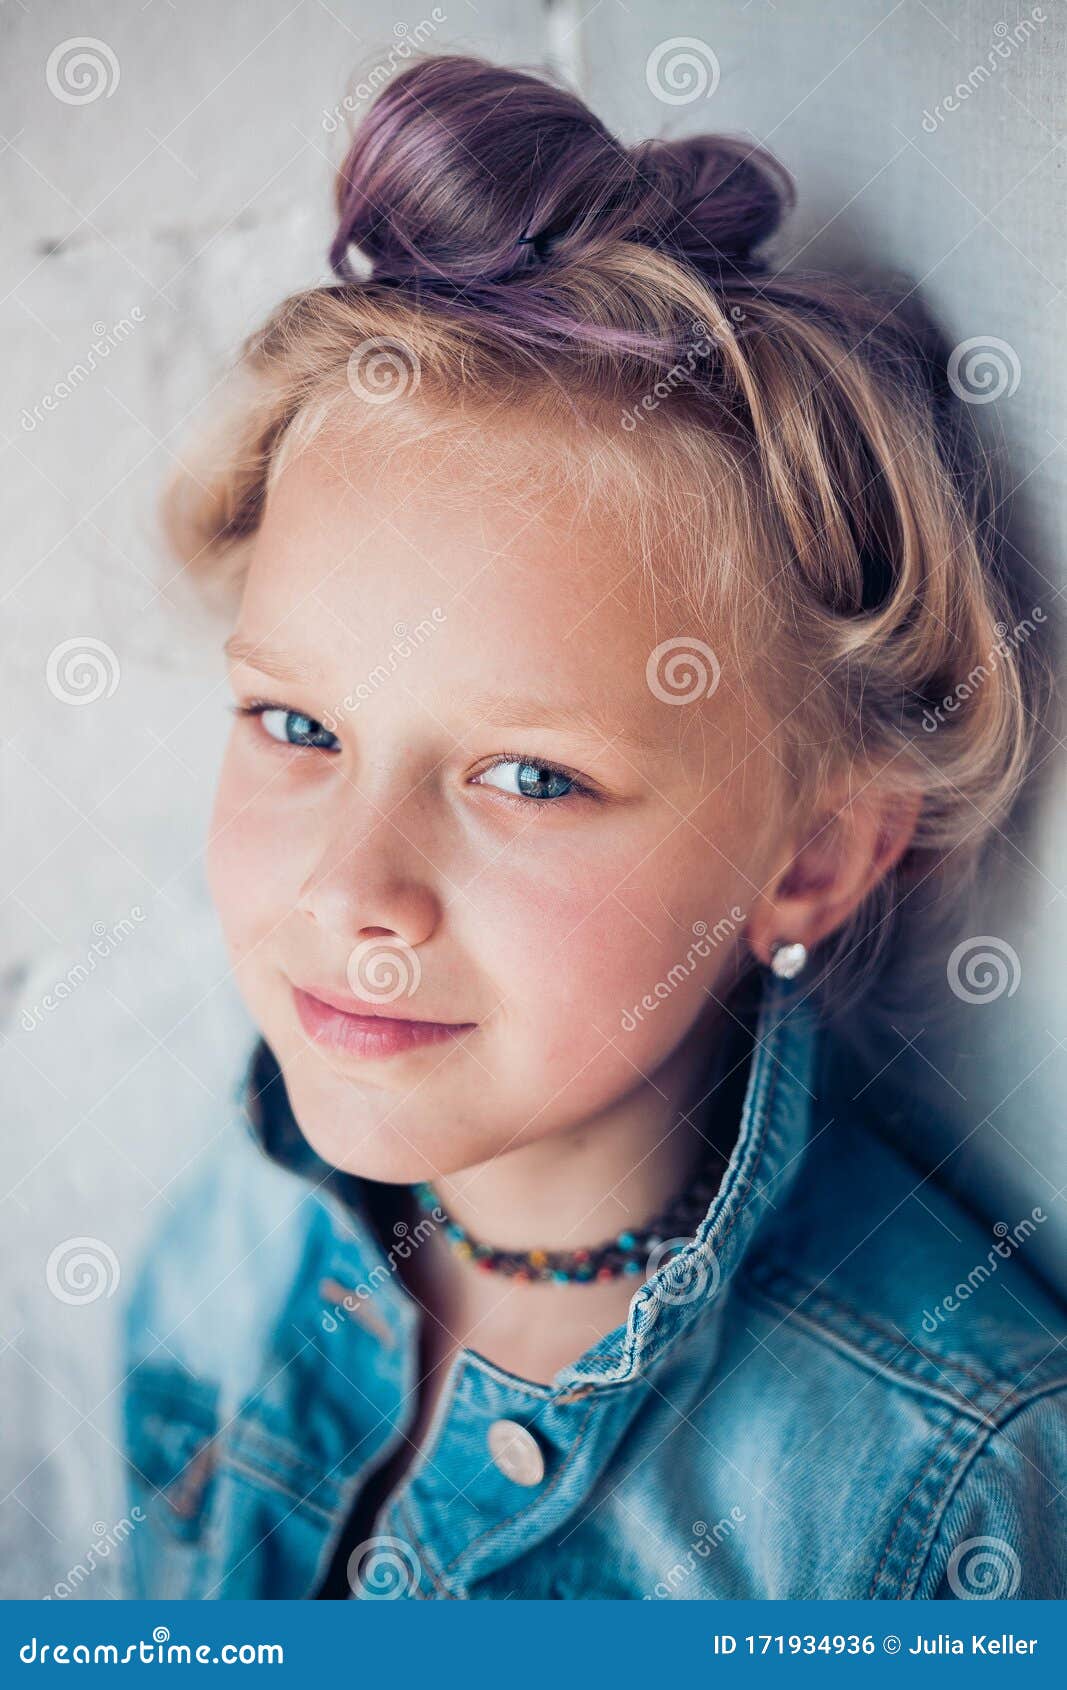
(856, 1323)
(942, 1450)
(969, 1457)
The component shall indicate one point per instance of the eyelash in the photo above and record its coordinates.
(578, 787)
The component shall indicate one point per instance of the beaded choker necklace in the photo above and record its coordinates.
(626, 1253)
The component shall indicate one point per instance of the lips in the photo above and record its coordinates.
(368, 1030)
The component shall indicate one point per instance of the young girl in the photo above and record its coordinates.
(592, 585)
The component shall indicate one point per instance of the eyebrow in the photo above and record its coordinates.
(276, 663)
(526, 715)
(530, 714)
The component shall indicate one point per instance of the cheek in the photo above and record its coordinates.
(576, 953)
(250, 876)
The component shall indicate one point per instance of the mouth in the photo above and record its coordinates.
(365, 1029)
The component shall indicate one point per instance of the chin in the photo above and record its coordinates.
(369, 1135)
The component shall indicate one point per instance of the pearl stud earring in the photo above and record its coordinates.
(787, 959)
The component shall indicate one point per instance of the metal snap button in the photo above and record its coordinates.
(516, 1452)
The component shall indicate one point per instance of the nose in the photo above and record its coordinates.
(362, 887)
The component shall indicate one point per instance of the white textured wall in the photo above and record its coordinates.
(968, 204)
(185, 202)
(162, 218)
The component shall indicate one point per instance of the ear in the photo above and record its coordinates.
(829, 870)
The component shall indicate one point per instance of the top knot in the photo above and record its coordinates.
(464, 172)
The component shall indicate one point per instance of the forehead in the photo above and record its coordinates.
(527, 583)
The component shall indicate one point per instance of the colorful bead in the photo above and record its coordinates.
(583, 1264)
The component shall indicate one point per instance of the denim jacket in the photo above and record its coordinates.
(843, 1385)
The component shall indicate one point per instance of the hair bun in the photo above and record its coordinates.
(462, 171)
(722, 197)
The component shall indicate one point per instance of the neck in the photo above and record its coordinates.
(569, 1191)
(611, 1173)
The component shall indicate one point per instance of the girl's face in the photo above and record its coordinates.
(480, 795)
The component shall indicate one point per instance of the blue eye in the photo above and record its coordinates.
(537, 780)
(517, 775)
(291, 727)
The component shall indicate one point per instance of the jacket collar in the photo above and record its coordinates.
(775, 1125)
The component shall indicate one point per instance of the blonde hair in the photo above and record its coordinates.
(796, 460)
